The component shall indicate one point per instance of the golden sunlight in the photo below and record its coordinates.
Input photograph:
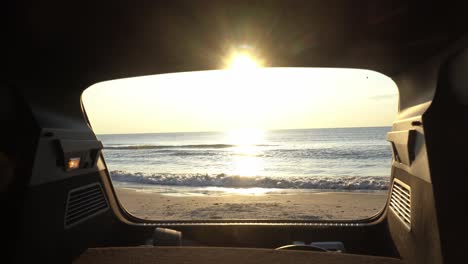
(243, 61)
(246, 137)
(255, 191)
(248, 166)
(232, 100)
(247, 141)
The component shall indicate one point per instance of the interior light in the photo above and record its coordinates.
(73, 163)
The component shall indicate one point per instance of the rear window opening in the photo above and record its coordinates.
(263, 143)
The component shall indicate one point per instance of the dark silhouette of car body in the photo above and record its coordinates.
(53, 50)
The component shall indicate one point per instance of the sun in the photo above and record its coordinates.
(243, 61)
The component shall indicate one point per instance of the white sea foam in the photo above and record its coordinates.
(234, 181)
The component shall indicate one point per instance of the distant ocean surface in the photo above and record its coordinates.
(348, 159)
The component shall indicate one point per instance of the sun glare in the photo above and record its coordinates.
(248, 166)
(243, 61)
(227, 100)
(255, 191)
(246, 137)
(247, 143)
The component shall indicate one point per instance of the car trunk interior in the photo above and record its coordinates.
(55, 50)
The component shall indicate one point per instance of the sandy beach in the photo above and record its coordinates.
(278, 206)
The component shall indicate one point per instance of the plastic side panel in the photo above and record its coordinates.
(409, 141)
(402, 144)
(447, 144)
(49, 163)
(43, 236)
(420, 243)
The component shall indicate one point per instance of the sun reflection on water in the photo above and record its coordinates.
(246, 158)
(246, 136)
(242, 191)
(248, 165)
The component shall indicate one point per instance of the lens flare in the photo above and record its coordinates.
(243, 61)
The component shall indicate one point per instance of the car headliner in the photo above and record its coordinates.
(57, 46)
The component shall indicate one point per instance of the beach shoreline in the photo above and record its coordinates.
(327, 205)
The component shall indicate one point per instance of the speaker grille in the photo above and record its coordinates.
(400, 202)
(84, 203)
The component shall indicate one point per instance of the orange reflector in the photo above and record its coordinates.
(73, 163)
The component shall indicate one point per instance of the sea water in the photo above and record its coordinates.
(191, 163)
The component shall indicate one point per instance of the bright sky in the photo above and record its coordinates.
(226, 100)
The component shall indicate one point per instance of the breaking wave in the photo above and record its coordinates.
(235, 181)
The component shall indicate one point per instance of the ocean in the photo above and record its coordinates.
(338, 159)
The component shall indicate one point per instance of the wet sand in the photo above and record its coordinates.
(277, 206)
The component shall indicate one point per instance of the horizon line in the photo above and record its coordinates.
(223, 131)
